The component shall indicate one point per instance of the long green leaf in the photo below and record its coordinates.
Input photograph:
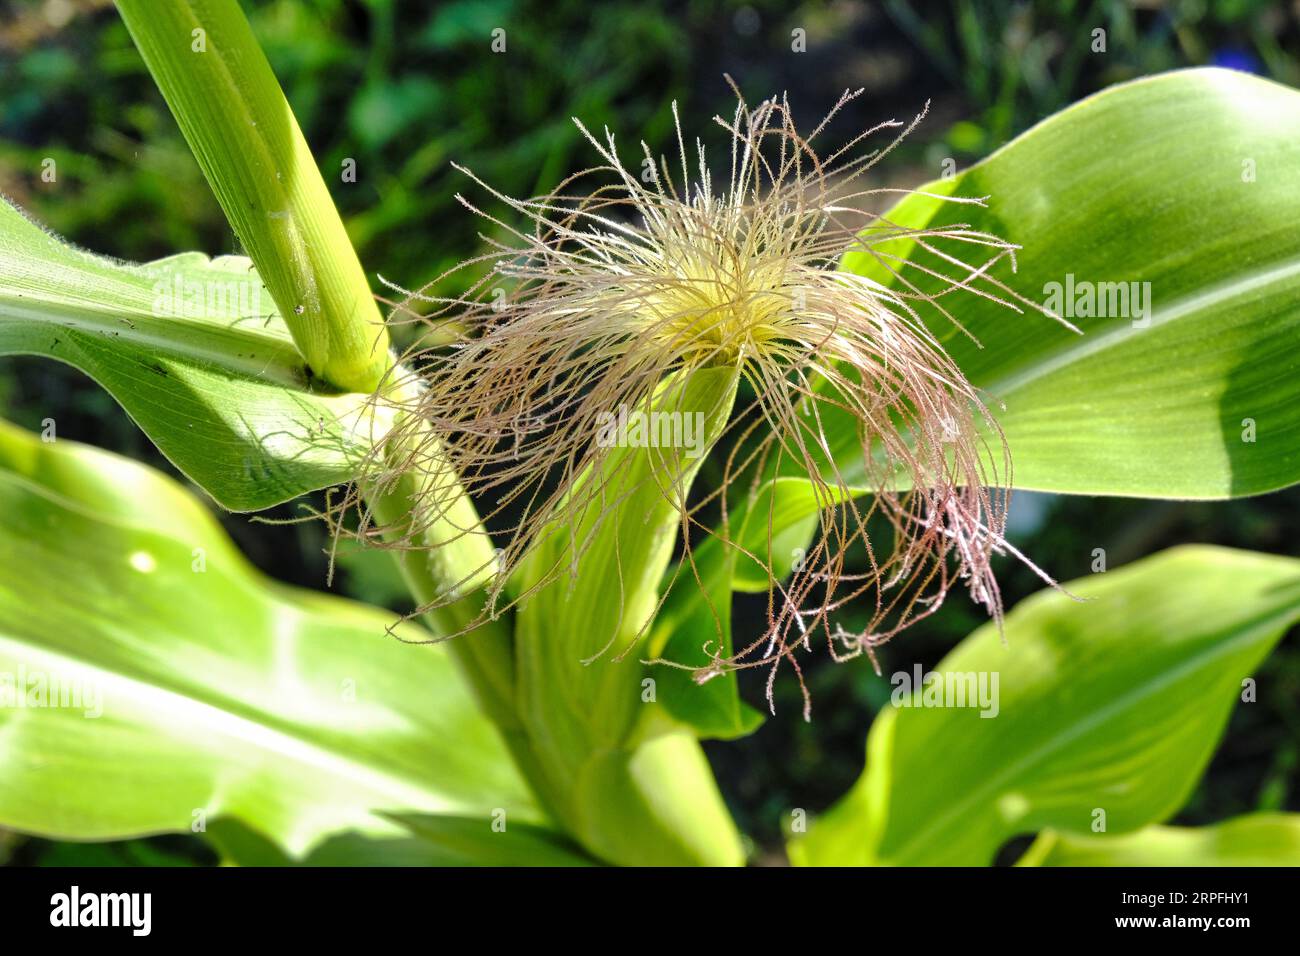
(196, 353)
(422, 840)
(1260, 839)
(192, 688)
(1184, 181)
(1106, 712)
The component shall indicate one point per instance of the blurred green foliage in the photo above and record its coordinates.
(404, 87)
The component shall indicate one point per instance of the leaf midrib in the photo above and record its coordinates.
(271, 361)
(1085, 346)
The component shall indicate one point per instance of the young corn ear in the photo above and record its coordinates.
(632, 793)
(643, 278)
(593, 589)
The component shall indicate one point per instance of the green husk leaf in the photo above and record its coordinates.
(631, 789)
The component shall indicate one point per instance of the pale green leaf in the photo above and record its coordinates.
(197, 689)
(1260, 839)
(195, 352)
(1186, 182)
(422, 840)
(1106, 709)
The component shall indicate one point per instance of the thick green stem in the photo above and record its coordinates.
(214, 76)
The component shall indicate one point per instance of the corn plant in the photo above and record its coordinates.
(1106, 306)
